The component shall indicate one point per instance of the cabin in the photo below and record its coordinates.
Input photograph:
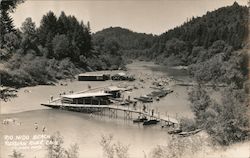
(93, 77)
(114, 91)
(94, 98)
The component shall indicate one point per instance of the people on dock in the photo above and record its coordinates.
(152, 112)
(51, 98)
(144, 108)
(134, 105)
(129, 98)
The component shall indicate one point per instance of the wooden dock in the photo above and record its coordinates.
(112, 110)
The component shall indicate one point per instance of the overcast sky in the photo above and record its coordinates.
(148, 16)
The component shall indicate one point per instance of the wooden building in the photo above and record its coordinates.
(94, 98)
(115, 91)
(93, 77)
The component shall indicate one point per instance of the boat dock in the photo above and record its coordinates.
(112, 111)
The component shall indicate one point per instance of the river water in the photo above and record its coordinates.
(85, 129)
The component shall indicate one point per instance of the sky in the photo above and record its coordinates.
(146, 16)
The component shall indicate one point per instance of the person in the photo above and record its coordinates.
(129, 98)
(91, 114)
(36, 126)
(134, 105)
(152, 112)
(44, 128)
(144, 108)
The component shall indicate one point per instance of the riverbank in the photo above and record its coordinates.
(30, 98)
(26, 109)
(88, 129)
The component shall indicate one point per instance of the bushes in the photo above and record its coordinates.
(55, 148)
(188, 125)
(16, 78)
(113, 149)
(178, 147)
(32, 70)
(227, 121)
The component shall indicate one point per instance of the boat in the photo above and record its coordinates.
(140, 120)
(150, 122)
(157, 87)
(175, 131)
(122, 77)
(185, 134)
(144, 99)
(160, 93)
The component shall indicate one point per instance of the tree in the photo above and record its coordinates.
(48, 28)
(11, 42)
(16, 154)
(7, 93)
(6, 26)
(6, 22)
(28, 27)
(9, 5)
(61, 47)
(63, 23)
(113, 150)
(55, 148)
(73, 151)
(200, 101)
(227, 122)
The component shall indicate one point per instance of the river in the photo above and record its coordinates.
(86, 130)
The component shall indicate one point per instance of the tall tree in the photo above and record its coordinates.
(48, 28)
(28, 27)
(6, 22)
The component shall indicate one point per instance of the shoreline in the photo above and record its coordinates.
(30, 98)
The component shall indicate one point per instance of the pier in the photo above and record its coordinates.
(112, 111)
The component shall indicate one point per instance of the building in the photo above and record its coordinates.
(115, 91)
(94, 98)
(93, 77)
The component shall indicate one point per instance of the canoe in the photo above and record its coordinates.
(175, 131)
(150, 122)
(144, 99)
(140, 120)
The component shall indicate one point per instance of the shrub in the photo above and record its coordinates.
(227, 122)
(187, 124)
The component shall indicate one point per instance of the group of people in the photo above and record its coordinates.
(144, 108)
(36, 127)
(10, 120)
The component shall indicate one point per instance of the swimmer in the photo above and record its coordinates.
(36, 126)
(44, 129)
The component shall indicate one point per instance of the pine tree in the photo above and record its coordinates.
(6, 22)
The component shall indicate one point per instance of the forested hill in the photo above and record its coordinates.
(188, 41)
(185, 44)
(125, 38)
(126, 41)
